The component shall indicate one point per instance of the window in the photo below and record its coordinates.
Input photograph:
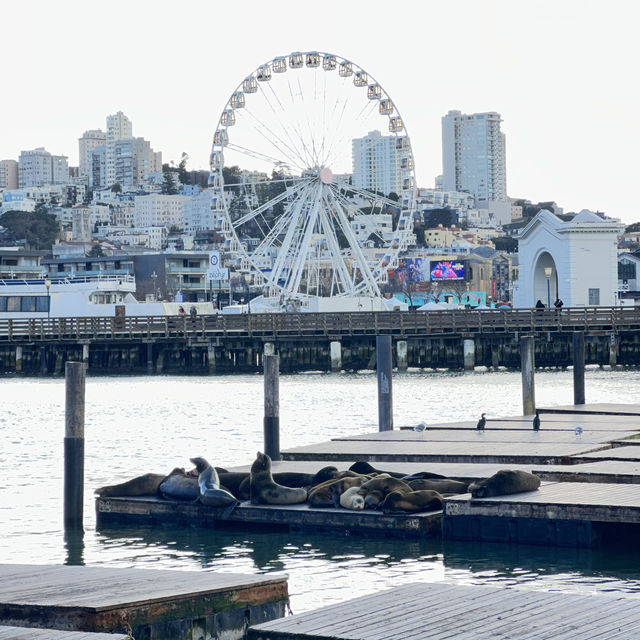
(594, 297)
(13, 303)
(42, 303)
(3, 303)
(28, 303)
(626, 270)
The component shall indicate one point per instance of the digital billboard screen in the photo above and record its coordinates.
(448, 270)
(411, 273)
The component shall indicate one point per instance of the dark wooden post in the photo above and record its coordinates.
(272, 406)
(385, 396)
(578, 367)
(149, 357)
(74, 444)
(527, 365)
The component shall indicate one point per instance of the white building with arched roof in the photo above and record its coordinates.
(575, 260)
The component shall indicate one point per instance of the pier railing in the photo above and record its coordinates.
(301, 325)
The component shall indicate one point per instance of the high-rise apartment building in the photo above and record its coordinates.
(90, 140)
(8, 174)
(376, 163)
(38, 167)
(473, 156)
(119, 127)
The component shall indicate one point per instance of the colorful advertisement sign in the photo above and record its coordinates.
(411, 274)
(448, 270)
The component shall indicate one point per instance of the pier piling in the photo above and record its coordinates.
(401, 355)
(335, 349)
(385, 397)
(272, 405)
(527, 365)
(469, 354)
(19, 359)
(74, 443)
(578, 368)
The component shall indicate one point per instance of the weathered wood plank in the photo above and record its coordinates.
(440, 611)
(612, 471)
(605, 408)
(25, 633)
(627, 452)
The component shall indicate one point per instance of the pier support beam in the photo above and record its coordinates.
(44, 368)
(149, 357)
(160, 360)
(85, 354)
(269, 349)
(385, 396)
(211, 358)
(335, 351)
(19, 359)
(527, 365)
(578, 367)
(613, 350)
(495, 356)
(469, 354)
(401, 355)
(74, 444)
(272, 406)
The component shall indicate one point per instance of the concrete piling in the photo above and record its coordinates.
(272, 406)
(527, 365)
(74, 444)
(469, 354)
(385, 396)
(401, 355)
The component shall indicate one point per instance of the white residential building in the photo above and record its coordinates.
(157, 210)
(198, 214)
(379, 225)
(119, 127)
(81, 226)
(86, 145)
(473, 156)
(38, 167)
(376, 163)
(8, 174)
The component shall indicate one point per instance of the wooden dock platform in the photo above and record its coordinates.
(147, 603)
(294, 517)
(629, 452)
(613, 471)
(437, 611)
(559, 513)
(602, 408)
(24, 633)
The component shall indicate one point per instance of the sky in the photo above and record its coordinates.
(562, 73)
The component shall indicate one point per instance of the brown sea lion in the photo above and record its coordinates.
(386, 484)
(180, 485)
(505, 482)
(290, 479)
(445, 486)
(413, 502)
(146, 485)
(327, 494)
(372, 499)
(263, 488)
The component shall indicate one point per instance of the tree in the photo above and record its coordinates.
(96, 252)
(168, 187)
(116, 187)
(183, 174)
(38, 229)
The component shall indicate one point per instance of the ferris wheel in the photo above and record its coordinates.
(294, 219)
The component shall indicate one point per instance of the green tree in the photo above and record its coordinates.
(96, 252)
(116, 187)
(168, 185)
(183, 174)
(38, 229)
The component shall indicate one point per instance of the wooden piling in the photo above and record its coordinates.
(469, 354)
(19, 359)
(74, 444)
(272, 406)
(385, 397)
(578, 368)
(149, 357)
(401, 355)
(335, 349)
(527, 365)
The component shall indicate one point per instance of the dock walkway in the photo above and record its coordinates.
(24, 633)
(150, 603)
(439, 611)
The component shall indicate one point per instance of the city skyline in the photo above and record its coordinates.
(559, 74)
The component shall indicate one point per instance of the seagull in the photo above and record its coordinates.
(420, 427)
(578, 430)
(536, 422)
(481, 422)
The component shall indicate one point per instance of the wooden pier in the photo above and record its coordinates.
(146, 603)
(438, 611)
(24, 633)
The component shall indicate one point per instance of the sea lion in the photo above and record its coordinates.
(327, 494)
(444, 486)
(352, 499)
(210, 492)
(290, 479)
(386, 484)
(180, 485)
(264, 490)
(146, 485)
(503, 483)
(373, 499)
(364, 468)
(413, 502)
(424, 475)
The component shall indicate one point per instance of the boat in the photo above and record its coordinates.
(83, 296)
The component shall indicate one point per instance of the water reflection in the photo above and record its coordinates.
(74, 545)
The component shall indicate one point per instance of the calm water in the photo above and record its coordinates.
(140, 424)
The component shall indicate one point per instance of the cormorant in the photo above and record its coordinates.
(481, 422)
(536, 422)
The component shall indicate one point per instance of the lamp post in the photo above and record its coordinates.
(47, 283)
(154, 276)
(547, 272)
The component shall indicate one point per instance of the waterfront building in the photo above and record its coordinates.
(574, 259)
(157, 210)
(377, 163)
(8, 174)
(21, 264)
(473, 156)
(38, 167)
(89, 141)
(628, 278)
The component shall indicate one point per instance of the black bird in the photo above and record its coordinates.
(481, 422)
(536, 422)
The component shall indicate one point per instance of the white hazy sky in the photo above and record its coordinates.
(563, 74)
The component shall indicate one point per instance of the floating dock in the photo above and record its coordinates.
(24, 633)
(294, 517)
(613, 471)
(146, 603)
(436, 611)
(560, 513)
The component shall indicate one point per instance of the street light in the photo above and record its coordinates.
(47, 283)
(547, 272)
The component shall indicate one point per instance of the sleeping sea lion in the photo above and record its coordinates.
(413, 502)
(327, 494)
(180, 485)
(146, 485)
(352, 499)
(503, 483)
(264, 490)
(386, 484)
(444, 486)
(373, 499)
(364, 468)
(210, 492)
